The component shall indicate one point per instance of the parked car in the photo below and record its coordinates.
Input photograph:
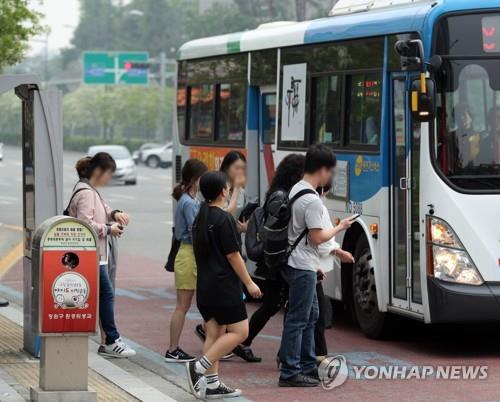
(1, 151)
(158, 157)
(126, 171)
(137, 155)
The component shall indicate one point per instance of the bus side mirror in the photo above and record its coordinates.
(423, 99)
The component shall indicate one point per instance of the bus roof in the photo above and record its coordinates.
(375, 22)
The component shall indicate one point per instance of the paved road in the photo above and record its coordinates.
(149, 202)
(146, 299)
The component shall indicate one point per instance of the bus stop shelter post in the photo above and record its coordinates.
(42, 143)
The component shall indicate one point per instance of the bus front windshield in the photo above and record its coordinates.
(467, 142)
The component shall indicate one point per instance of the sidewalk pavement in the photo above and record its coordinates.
(19, 371)
(145, 377)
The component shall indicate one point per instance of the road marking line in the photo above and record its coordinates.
(11, 258)
(12, 227)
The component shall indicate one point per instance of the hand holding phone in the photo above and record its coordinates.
(354, 217)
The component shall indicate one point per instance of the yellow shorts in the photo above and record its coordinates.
(185, 268)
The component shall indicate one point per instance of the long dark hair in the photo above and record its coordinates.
(288, 173)
(211, 186)
(192, 170)
(230, 158)
(85, 167)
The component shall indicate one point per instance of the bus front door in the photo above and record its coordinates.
(405, 145)
(267, 135)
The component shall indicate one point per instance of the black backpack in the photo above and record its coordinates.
(277, 249)
(253, 236)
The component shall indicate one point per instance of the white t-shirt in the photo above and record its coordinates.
(326, 259)
(307, 212)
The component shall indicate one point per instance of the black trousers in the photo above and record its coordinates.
(275, 292)
(319, 329)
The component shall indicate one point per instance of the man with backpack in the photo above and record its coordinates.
(306, 230)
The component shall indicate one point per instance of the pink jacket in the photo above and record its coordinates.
(88, 206)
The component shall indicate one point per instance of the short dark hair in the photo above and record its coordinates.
(319, 156)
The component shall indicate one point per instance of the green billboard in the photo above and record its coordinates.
(114, 68)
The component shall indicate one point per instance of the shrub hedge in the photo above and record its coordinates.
(78, 142)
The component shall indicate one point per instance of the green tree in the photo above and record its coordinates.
(17, 25)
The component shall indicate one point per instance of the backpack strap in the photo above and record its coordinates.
(301, 193)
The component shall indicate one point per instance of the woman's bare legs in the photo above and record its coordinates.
(222, 339)
(184, 299)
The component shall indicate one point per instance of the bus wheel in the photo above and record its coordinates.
(370, 319)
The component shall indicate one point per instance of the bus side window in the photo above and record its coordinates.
(201, 112)
(230, 113)
(363, 113)
(326, 109)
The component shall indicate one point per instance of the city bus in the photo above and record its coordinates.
(406, 92)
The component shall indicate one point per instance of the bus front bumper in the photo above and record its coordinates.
(451, 302)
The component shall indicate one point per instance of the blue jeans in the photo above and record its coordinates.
(107, 306)
(297, 352)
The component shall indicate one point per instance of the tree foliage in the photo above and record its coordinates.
(115, 112)
(17, 25)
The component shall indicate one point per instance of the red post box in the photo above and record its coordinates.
(68, 277)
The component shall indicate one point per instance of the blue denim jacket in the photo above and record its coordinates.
(187, 209)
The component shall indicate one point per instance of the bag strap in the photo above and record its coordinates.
(306, 230)
(73, 196)
(301, 193)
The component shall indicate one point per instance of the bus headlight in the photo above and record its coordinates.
(450, 261)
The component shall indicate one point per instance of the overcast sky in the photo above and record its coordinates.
(62, 17)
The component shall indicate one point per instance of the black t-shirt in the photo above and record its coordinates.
(217, 284)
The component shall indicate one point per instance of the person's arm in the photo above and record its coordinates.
(343, 256)
(319, 236)
(240, 268)
(85, 209)
(190, 211)
(318, 232)
(233, 202)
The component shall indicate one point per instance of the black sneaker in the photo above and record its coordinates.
(312, 374)
(299, 380)
(194, 379)
(178, 356)
(200, 332)
(246, 353)
(222, 391)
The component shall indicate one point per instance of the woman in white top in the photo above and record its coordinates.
(328, 251)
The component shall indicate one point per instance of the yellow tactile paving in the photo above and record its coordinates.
(25, 370)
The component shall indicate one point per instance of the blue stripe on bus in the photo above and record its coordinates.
(365, 175)
(252, 108)
(376, 23)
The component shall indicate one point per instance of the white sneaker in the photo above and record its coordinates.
(117, 349)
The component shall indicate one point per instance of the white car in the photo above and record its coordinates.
(126, 170)
(158, 157)
(137, 155)
(1, 151)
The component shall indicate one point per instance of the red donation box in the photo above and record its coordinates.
(68, 292)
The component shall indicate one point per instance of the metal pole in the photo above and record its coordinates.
(163, 80)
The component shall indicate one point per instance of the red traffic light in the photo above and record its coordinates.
(128, 65)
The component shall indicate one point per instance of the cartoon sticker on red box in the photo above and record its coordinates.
(70, 290)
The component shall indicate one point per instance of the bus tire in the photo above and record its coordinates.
(371, 321)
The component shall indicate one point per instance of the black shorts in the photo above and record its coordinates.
(224, 315)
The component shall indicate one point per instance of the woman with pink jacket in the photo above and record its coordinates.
(86, 204)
